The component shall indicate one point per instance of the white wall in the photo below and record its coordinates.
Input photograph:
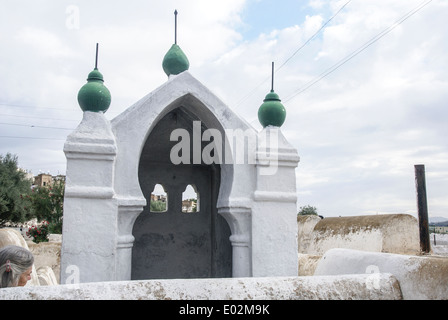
(394, 233)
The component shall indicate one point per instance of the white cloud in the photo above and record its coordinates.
(44, 42)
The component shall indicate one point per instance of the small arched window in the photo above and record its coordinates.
(190, 199)
(159, 199)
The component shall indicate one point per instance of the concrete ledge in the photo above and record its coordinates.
(282, 288)
(420, 277)
(393, 233)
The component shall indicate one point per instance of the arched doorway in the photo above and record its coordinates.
(184, 240)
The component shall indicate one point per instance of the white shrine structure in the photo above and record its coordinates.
(178, 135)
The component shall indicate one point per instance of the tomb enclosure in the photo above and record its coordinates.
(242, 219)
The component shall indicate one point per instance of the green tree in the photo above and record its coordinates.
(13, 187)
(307, 210)
(157, 206)
(47, 203)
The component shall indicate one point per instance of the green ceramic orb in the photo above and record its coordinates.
(175, 61)
(94, 96)
(272, 112)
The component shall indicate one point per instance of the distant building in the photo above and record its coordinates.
(43, 180)
(155, 197)
(440, 229)
(59, 177)
(28, 174)
(46, 179)
(188, 206)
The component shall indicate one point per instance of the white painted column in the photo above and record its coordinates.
(239, 219)
(89, 235)
(240, 256)
(274, 211)
(128, 211)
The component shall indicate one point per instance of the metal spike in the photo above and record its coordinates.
(96, 57)
(175, 26)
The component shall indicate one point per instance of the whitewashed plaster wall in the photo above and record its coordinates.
(89, 228)
(394, 233)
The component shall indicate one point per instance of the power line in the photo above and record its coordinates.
(33, 126)
(357, 51)
(295, 52)
(314, 35)
(36, 107)
(33, 138)
(43, 118)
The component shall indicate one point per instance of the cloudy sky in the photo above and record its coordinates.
(364, 83)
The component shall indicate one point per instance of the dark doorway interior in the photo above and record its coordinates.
(182, 239)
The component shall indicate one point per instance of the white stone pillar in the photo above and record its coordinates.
(128, 211)
(240, 256)
(274, 211)
(239, 219)
(89, 232)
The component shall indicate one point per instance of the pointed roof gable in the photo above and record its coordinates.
(132, 127)
(181, 90)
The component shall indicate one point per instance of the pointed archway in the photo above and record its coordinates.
(174, 243)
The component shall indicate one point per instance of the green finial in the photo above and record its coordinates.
(272, 112)
(175, 60)
(94, 96)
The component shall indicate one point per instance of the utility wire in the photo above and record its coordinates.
(295, 52)
(34, 138)
(35, 107)
(314, 35)
(33, 126)
(43, 118)
(357, 51)
(50, 108)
